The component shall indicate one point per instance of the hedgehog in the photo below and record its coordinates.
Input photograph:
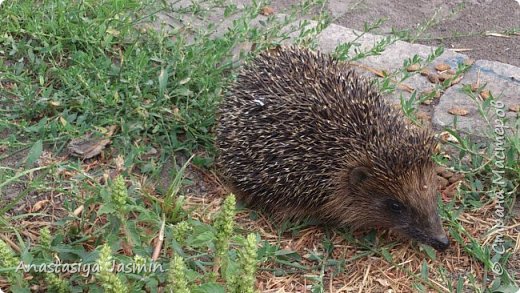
(301, 135)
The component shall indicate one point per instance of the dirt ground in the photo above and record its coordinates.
(454, 24)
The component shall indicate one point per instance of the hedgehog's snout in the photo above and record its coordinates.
(440, 242)
(433, 235)
(438, 238)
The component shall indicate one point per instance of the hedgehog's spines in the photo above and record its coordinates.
(296, 122)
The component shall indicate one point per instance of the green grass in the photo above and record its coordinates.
(76, 68)
(80, 67)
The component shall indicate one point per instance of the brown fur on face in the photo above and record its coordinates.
(363, 199)
(299, 136)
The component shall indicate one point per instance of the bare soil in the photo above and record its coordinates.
(453, 24)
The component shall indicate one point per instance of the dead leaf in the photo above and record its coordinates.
(109, 130)
(113, 32)
(433, 78)
(120, 163)
(425, 72)
(439, 169)
(421, 115)
(514, 108)
(39, 205)
(442, 67)
(456, 177)
(442, 182)
(413, 67)
(447, 137)
(458, 111)
(431, 92)
(151, 152)
(87, 147)
(78, 210)
(266, 11)
(485, 94)
(383, 282)
(444, 76)
(127, 247)
(446, 173)
(449, 192)
(469, 61)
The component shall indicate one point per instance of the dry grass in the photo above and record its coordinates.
(365, 269)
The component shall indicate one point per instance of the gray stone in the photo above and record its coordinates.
(502, 80)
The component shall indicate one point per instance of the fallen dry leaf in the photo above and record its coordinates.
(78, 210)
(397, 107)
(435, 93)
(427, 102)
(447, 137)
(421, 115)
(266, 11)
(458, 111)
(89, 147)
(39, 205)
(446, 173)
(413, 67)
(425, 72)
(444, 76)
(109, 131)
(383, 282)
(469, 61)
(442, 182)
(456, 177)
(514, 108)
(442, 67)
(433, 78)
(119, 161)
(439, 169)
(127, 247)
(449, 192)
(485, 94)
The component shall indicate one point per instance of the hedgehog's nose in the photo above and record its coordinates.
(441, 242)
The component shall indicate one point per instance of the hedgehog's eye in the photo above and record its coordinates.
(395, 206)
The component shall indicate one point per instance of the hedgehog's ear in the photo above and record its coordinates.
(358, 175)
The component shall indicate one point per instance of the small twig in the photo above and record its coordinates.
(364, 279)
(159, 242)
(492, 34)
(461, 50)
(478, 78)
(15, 247)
